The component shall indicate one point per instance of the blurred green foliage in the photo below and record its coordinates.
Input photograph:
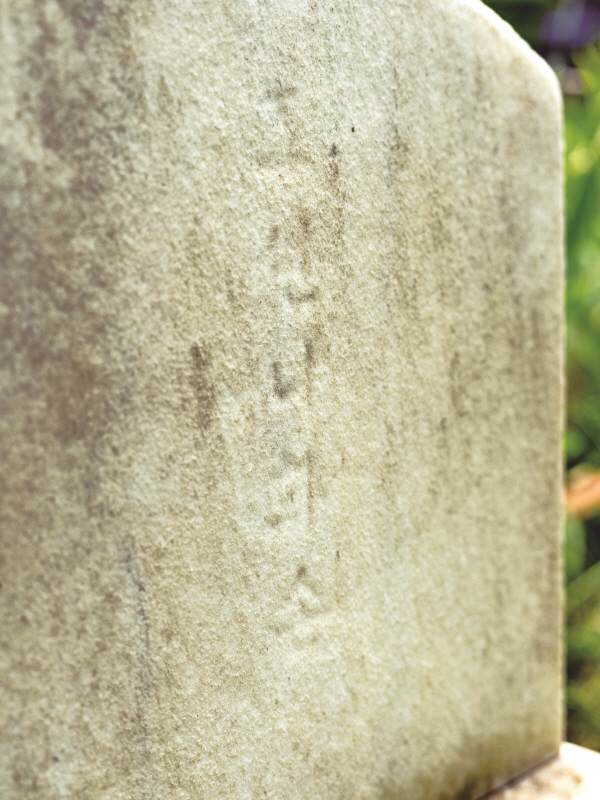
(582, 445)
(582, 439)
(582, 164)
(524, 15)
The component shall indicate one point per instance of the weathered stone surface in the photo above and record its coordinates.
(575, 775)
(281, 322)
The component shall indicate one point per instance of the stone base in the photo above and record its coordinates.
(574, 775)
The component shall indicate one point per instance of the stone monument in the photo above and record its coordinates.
(281, 400)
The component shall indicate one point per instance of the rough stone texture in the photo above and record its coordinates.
(575, 775)
(280, 400)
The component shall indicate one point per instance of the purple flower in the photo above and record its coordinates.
(571, 25)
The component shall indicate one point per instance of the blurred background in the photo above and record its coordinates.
(567, 35)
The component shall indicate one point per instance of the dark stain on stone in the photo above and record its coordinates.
(85, 106)
(458, 386)
(310, 480)
(132, 571)
(316, 348)
(309, 352)
(273, 236)
(301, 573)
(76, 118)
(398, 154)
(83, 14)
(78, 397)
(290, 459)
(305, 223)
(297, 297)
(335, 167)
(142, 623)
(23, 776)
(168, 106)
(282, 386)
(143, 672)
(203, 388)
(280, 91)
